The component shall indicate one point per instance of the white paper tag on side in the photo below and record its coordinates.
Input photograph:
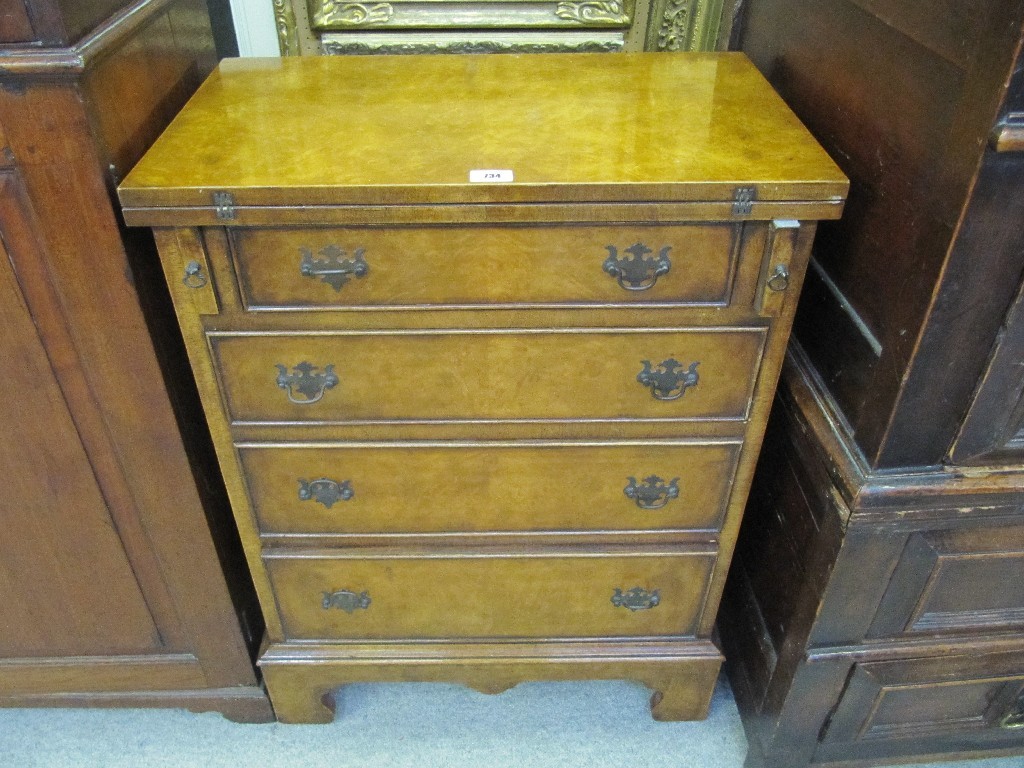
(490, 176)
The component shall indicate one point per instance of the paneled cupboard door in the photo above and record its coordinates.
(53, 510)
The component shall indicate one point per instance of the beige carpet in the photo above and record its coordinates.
(536, 725)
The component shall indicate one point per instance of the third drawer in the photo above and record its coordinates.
(490, 486)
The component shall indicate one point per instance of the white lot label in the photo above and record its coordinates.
(490, 176)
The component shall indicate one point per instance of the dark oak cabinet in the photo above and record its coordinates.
(872, 616)
(874, 611)
(120, 583)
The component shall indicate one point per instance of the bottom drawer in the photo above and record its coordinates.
(972, 700)
(363, 596)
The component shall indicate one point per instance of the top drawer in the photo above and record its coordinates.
(545, 265)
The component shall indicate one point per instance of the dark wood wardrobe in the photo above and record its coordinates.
(875, 612)
(121, 583)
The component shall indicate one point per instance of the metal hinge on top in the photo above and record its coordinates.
(224, 202)
(743, 200)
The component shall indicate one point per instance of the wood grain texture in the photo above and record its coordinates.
(54, 22)
(596, 132)
(87, 597)
(489, 375)
(486, 266)
(681, 673)
(482, 487)
(917, 265)
(318, 210)
(131, 104)
(467, 595)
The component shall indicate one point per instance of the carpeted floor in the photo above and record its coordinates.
(535, 725)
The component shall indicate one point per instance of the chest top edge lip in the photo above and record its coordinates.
(267, 207)
(797, 189)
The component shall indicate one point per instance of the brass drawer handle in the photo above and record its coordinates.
(670, 380)
(346, 600)
(194, 277)
(307, 380)
(639, 272)
(779, 280)
(324, 491)
(636, 599)
(652, 493)
(333, 268)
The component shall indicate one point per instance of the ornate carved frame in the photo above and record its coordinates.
(473, 26)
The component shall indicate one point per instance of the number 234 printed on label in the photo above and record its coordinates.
(490, 176)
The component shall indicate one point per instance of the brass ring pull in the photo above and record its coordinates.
(670, 380)
(636, 599)
(779, 281)
(307, 380)
(641, 271)
(333, 268)
(346, 600)
(653, 492)
(326, 492)
(194, 277)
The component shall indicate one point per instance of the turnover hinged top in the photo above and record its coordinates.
(398, 130)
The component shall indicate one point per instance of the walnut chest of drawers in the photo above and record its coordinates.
(486, 359)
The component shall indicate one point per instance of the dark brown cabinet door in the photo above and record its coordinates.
(87, 600)
(120, 580)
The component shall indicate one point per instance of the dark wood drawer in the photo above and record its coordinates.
(569, 375)
(948, 703)
(955, 581)
(470, 594)
(479, 486)
(683, 264)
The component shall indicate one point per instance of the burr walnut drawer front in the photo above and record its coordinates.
(571, 374)
(682, 264)
(469, 594)
(480, 486)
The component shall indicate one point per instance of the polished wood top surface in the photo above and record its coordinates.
(409, 129)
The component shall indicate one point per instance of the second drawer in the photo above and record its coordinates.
(497, 486)
(569, 374)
